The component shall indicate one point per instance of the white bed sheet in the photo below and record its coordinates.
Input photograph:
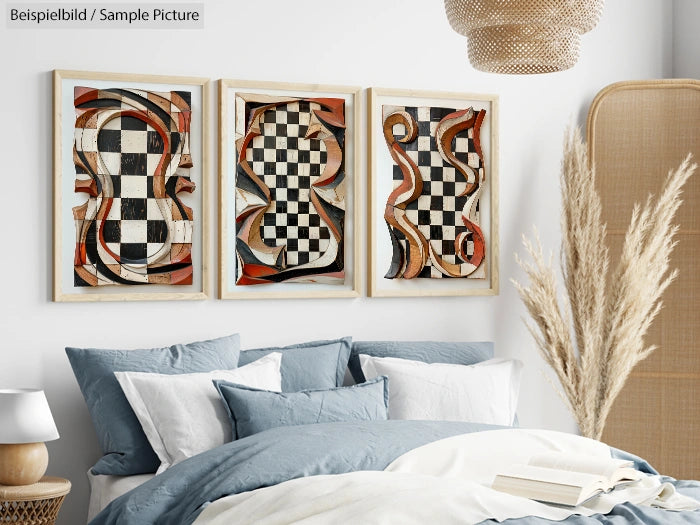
(104, 489)
(445, 482)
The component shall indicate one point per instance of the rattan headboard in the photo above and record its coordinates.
(637, 132)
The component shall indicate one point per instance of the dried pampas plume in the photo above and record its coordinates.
(594, 341)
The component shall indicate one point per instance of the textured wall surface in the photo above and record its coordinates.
(686, 51)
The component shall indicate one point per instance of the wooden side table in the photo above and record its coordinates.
(36, 504)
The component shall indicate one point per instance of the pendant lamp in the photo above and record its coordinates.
(521, 37)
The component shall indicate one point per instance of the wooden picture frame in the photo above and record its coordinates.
(408, 265)
(245, 109)
(121, 233)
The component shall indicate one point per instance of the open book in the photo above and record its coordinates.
(565, 479)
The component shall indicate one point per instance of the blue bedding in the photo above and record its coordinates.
(177, 496)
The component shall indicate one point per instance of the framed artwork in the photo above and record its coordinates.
(130, 214)
(433, 194)
(289, 201)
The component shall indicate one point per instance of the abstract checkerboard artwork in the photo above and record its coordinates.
(290, 189)
(132, 159)
(438, 174)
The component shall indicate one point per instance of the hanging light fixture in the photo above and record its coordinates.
(523, 36)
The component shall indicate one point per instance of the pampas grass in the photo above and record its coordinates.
(594, 341)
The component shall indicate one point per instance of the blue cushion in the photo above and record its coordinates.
(311, 365)
(252, 410)
(125, 447)
(455, 353)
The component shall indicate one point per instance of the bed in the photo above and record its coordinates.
(330, 432)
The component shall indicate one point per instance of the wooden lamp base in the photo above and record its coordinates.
(22, 463)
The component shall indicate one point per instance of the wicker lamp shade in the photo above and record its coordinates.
(523, 36)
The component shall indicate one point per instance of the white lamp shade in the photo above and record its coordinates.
(25, 417)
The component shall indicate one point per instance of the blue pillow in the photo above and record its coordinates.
(306, 366)
(457, 353)
(124, 445)
(252, 410)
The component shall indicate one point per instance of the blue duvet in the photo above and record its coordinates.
(177, 496)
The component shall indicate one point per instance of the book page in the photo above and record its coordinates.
(554, 476)
(606, 467)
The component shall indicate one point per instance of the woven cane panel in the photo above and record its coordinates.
(523, 36)
(637, 132)
(664, 427)
(37, 512)
(640, 134)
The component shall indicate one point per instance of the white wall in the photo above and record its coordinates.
(686, 51)
(387, 43)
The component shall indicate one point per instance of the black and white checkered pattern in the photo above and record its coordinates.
(134, 228)
(288, 164)
(438, 210)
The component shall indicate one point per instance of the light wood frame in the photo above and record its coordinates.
(379, 161)
(227, 259)
(64, 175)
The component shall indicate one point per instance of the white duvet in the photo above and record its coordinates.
(446, 482)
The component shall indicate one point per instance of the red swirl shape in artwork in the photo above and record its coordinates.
(446, 131)
(407, 265)
(412, 247)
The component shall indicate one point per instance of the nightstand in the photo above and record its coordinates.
(36, 504)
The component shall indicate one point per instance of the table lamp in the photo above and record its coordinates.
(25, 423)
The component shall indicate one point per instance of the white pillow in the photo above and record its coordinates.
(182, 414)
(485, 392)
